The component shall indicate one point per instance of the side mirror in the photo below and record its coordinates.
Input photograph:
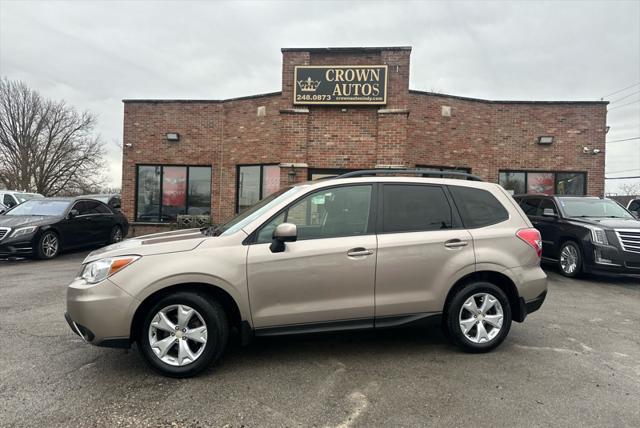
(635, 213)
(2, 211)
(285, 232)
(548, 212)
(73, 213)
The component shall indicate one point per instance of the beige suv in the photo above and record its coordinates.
(360, 251)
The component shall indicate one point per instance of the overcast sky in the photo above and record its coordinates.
(94, 54)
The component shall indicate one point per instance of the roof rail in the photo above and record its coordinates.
(424, 172)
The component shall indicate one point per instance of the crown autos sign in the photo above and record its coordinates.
(340, 84)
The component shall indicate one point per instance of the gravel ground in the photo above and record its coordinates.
(576, 362)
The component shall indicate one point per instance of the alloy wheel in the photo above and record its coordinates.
(50, 245)
(117, 235)
(481, 318)
(178, 335)
(569, 259)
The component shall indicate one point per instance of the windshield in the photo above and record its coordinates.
(40, 207)
(21, 197)
(250, 214)
(583, 207)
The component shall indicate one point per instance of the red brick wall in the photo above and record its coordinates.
(493, 136)
(409, 130)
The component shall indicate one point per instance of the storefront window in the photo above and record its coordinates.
(570, 183)
(256, 182)
(148, 203)
(199, 191)
(540, 182)
(445, 169)
(164, 192)
(548, 183)
(515, 182)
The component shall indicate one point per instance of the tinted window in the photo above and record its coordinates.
(547, 204)
(570, 183)
(478, 207)
(414, 208)
(8, 201)
(530, 206)
(328, 213)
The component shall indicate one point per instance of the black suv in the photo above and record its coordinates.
(585, 234)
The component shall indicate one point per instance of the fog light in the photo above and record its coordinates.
(601, 260)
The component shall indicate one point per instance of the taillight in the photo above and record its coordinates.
(532, 237)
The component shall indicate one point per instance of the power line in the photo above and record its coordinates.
(625, 139)
(627, 104)
(626, 170)
(625, 97)
(621, 90)
(621, 178)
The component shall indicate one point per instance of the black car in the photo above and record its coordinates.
(585, 234)
(44, 227)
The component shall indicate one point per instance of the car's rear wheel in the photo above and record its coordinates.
(48, 245)
(116, 235)
(570, 260)
(182, 334)
(478, 317)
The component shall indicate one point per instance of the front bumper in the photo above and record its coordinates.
(100, 314)
(23, 246)
(608, 258)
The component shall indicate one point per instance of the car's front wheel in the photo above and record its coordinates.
(182, 334)
(478, 317)
(570, 260)
(116, 235)
(48, 245)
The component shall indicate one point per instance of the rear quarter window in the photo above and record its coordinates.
(477, 207)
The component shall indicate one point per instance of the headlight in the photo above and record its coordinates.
(598, 236)
(24, 231)
(100, 270)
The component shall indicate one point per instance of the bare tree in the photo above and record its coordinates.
(46, 146)
(630, 189)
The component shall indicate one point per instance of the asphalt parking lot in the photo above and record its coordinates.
(575, 362)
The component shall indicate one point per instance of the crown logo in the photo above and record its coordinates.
(308, 85)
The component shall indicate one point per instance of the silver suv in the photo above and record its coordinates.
(357, 252)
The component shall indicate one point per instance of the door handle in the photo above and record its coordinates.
(455, 243)
(359, 251)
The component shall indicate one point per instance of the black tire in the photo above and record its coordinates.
(217, 327)
(453, 312)
(116, 234)
(44, 249)
(563, 266)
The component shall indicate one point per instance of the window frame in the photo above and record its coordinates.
(260, 186)
(162, 165)
(456, 220)
(371, 227)
(555, 173)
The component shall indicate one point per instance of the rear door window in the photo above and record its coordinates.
(547, 204)
(478, 208)
(530, 206)
(412, 208)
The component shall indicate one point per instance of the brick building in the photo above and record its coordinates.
(352, 109)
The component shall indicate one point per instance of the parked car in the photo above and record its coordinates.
(352, 252)
(585, 234)
(11, 198)
(112, 200)
(634, 207)
(44, 227)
